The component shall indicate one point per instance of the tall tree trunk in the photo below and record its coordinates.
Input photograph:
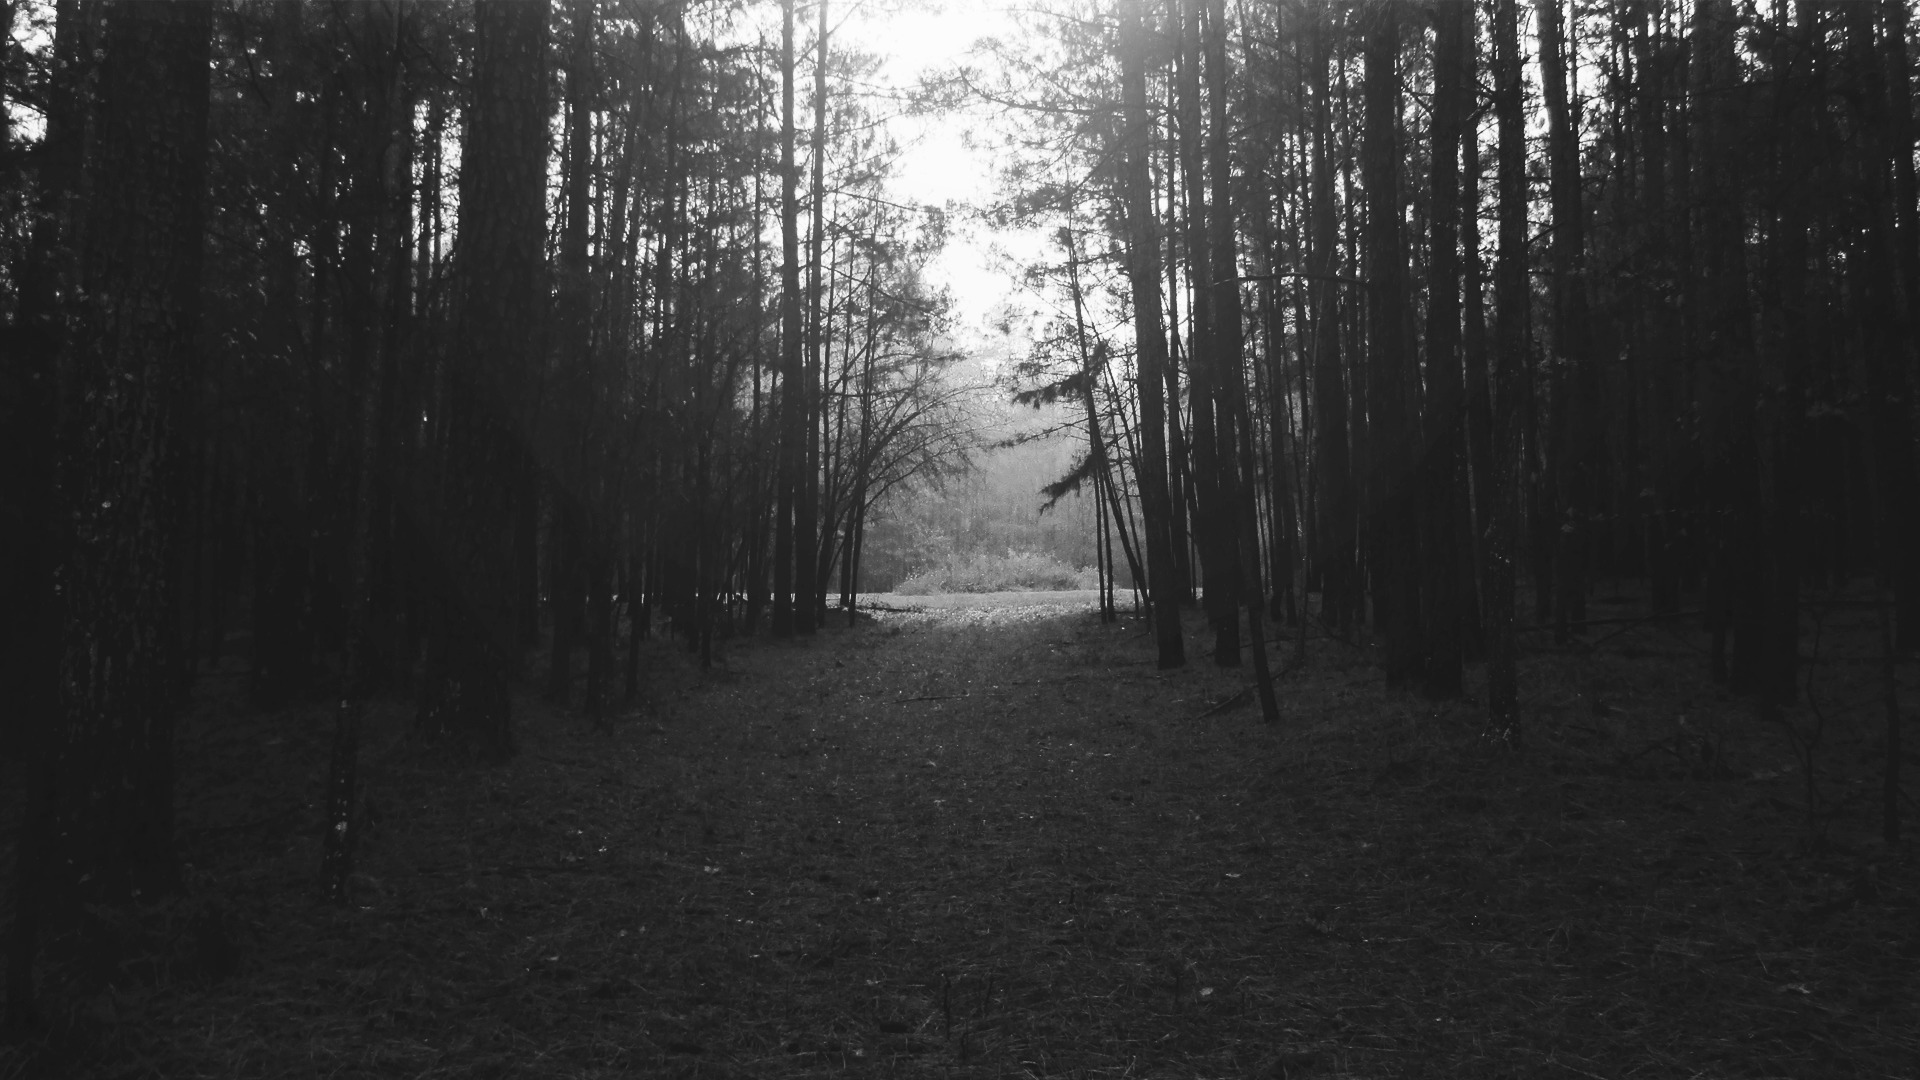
(1444, 502)
(31, 662)
(759, 509)
(1212, 426)
(1282, 436)
(574, 371)
(1724, 362)
(1474, 347)
(503, 172)
(793, 397)
(1900, 628)
(1893, 254)
(1786, 354)
(1391, 422)
(1887, 347)
(377, 237)
(1182, 484)
(1143, 272)
(1575, 385)
(282, 660)
(1229, 346)
(1339, 577)
(387, 651)
(133, 368)
(1657, 326)
(808, 534)
(1510, 349)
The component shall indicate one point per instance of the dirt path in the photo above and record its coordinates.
(989, 840)
(998, 842)
(971, 838)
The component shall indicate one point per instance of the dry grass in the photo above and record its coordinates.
(998, 842)
(1061, 601)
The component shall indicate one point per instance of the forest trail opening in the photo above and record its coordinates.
(992, 839)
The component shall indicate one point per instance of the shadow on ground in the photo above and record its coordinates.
(991, 839)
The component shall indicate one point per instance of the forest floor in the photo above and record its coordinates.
(987, 837)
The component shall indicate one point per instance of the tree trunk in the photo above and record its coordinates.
(1786, 354)
(478, 617)
(1510, 348)
(1657, 328)
(1182, 484)
(1575, 383)
(1229, 346)
(1887, 197)
(1444, 504)
(809, 579)
(793, 397)
(1738, 596)
(1391, 423)
(575, 384)
(386, 652)
(30, 665)
(1207, 367)
(1333, 474)
(282, 660)
(1474, 348)
(133, 368)
(1143, 272)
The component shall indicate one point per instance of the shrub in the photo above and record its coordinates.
(1015, 571)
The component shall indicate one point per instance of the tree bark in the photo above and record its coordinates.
(793, 398)
(1511, 298)
(1229, 346)
(479, 616)
(1724, 359)
(30, 666)
(1474, 347)
(574, 380)
(808, 539)
(133, 367)
(1894, 363)
(1211, 428)
(1143, 272)
(282, 660)
(1657, 328)
(1445, 443)
(1333, 474)
(1574, 382)
(1391, 381)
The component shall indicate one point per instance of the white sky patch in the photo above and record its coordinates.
(918, 38)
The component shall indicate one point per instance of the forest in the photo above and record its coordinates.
(434, 433)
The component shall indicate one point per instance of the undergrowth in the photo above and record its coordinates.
(982, 572)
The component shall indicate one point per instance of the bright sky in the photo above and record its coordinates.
(916, 38)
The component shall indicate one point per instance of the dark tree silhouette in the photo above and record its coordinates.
(1143, 271)
(491, 375)
(100, 824)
